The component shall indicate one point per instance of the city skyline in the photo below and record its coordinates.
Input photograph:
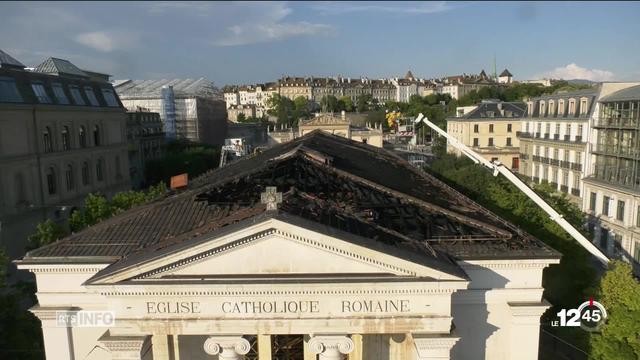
(233, 43)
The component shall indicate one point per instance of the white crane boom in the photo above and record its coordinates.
(497, 167)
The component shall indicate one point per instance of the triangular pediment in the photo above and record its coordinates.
(275, 248)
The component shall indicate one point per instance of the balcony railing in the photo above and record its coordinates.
(554, 185)
(578, 139)
(538, 135)
(575, 192)
(575, 166)
(564, 188)
(545, 160)
(546, 136)
(523, 134)
(524, 156)
(618, 122)
(536, 158)
(565, 164)
(567, 138)
(556, 136)
(555, 162)
(535, 179)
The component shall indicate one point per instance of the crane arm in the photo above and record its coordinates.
(497, 167)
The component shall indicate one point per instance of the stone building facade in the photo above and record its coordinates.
(62, 136)
(146, 141)
(304, 245)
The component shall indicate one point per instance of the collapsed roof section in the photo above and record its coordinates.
(351, 187)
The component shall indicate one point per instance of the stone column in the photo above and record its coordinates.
(331, 347)
(525, 329)
(160, 346)
(227, 347)
(58, 339)
(434, 347)
(126, 347)
(264, 346)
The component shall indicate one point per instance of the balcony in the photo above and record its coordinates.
(554, 185)
(564, 188)
(524, 156)
(578, 139)
(555, 162)
(556, 136)
(567, 138)
(523, 134)
(546, 136)
(565, 164)
(538, 135)
(575, 166)
(618, 122)
(536, 158)
(545, 160)
(535, 179)
(575, 192)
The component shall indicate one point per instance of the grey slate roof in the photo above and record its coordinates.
(631, 93)
(505, 72)
(6, 59)
(351, 187)
(131, 89)
(496, 110)
(55, 66)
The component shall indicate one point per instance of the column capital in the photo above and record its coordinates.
(227, 347)
(331, 347)
(125, 347)
(434, 346)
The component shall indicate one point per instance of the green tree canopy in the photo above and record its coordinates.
(345, 103)
(282, 108)
(241, 117)
(619, 338)
(329, 103)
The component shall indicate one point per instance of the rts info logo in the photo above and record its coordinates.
(590, 316)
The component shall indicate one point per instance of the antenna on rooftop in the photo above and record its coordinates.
(495, 71)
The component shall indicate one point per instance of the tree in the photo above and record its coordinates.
(363, 102)
(346, 104)
(241, 118)
(46, 233)
(301, 108)
(619, 338)
(281, 107)
(329, 103)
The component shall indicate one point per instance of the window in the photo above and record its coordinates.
(9, 90)
(509, 141)
(565, 178)
(96, 136)
(82, 137)
(47, 141)
(475, 142)
(542, 108)
(620, 212)
(561, 107)
(636, 255)
(490, 128)
(558, 129)
(494, 159)
(556, 154)
(580, 129)
(68, 175)
(572, 107)
(592, 201)
(75, 94)
(638, 217)
(51, 181)
(58, 91)
(566, 155)
(119, 174)
(547, 129)
(490, 141)
(476, 128)
(20, 188)
(66, 138)
(552, 108)
(578, 157)
(605, 205)
(91, 96)
(508, 127)
(85, 173)
(583, 106)
(109, 97)
(100, 170)
(567, 134)
(41, 94)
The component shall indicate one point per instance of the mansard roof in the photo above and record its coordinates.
(356, 189)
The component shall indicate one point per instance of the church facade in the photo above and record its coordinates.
(319, 248)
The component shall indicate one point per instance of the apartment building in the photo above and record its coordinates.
(553, 140)
(62, 136)
(612, 183)
(490, 129)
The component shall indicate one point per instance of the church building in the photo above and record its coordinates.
(319, 248)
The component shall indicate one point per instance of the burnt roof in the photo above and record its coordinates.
(354, 188)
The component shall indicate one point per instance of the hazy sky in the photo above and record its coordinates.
(232, 43)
